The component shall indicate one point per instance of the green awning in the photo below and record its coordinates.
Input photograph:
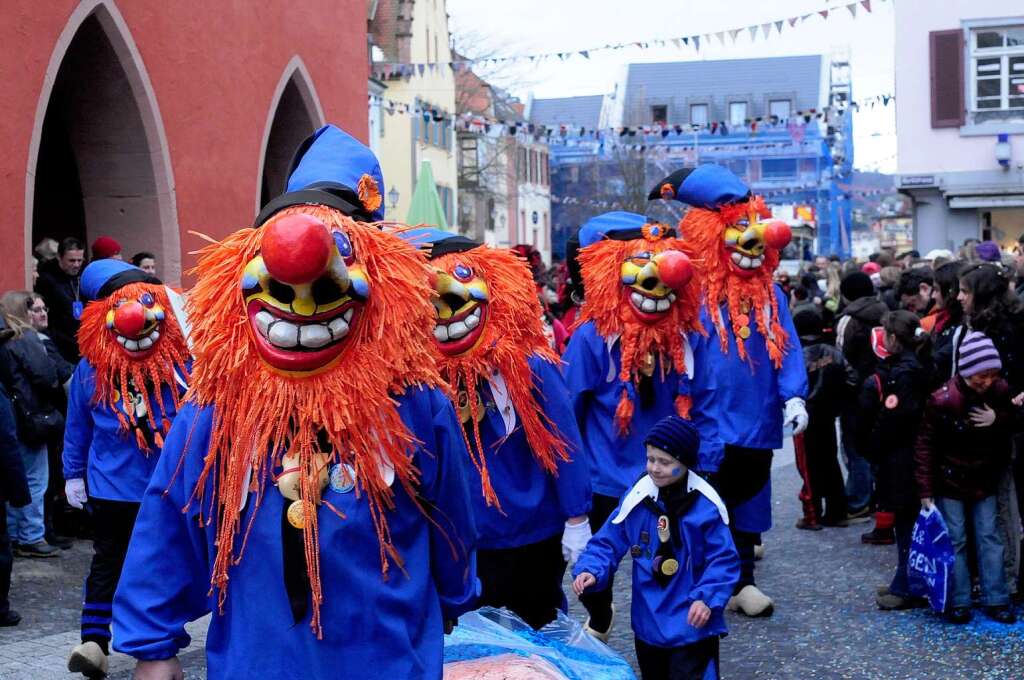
(426, 207)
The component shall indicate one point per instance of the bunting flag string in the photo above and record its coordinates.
(849, 192)
(404, 70)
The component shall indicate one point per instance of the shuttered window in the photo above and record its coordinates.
(946, 50)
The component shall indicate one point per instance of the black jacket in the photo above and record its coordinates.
(853, 334)
(29, 376)
(1007, 334)
(831, 380)
(13, 485)
(60, 292)
(889, 411)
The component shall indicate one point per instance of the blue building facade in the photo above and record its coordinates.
(774, 122)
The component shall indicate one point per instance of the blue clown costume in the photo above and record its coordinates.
(123, 396)
(529, 454)
(368, 538)
(627, 363)
(677, 536)
(750, 376)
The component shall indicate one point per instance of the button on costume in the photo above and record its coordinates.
(627, 362)
(123, 396)
(528, 472)
(312, 493)
(749, 377)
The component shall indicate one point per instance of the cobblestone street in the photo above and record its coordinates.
(825, 623)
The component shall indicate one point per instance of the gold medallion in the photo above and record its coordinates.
(669, 567)
(297, 514)
(744, 332)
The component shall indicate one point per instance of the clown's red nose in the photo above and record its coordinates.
(777, 234)
(674, 269)
(296, 249)
(130, 319)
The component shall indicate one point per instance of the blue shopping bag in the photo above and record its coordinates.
(931, 558)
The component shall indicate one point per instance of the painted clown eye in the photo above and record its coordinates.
(463, 273)
(344, 247)
(147, 299)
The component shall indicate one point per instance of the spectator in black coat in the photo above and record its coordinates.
(14, 492)
(60, 285)
(831, 383)
(862, 312)
(890, 406)
(949, 320)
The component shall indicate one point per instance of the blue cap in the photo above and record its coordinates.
(437, 241)
(102, 277)
(327, 169)
(618, 225)
(707, 186)
(677, 437)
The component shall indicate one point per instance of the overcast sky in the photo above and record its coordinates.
(541, 26)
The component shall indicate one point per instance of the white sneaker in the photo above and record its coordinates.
(88, 658)
(603, 637)
(750, 601)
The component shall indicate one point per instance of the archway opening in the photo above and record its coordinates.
(293, 122)
(95, 171)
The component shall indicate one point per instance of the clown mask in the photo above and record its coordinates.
(747, 237)
(303, 293)
(135, 322)
(650, 280)
(461, 300)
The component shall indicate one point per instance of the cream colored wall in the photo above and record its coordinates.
(400, 156)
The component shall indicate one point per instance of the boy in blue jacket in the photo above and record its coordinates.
(124, 394)
(685, 565)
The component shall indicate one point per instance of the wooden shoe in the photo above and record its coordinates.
(751, 602)
(598, 635)
(88, 659)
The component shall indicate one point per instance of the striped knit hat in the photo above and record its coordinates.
(977, 354)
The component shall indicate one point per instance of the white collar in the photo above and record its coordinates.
(614, 338)
(646, 488)
(502, 400)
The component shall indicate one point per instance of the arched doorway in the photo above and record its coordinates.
(295, 113)
(99, 162)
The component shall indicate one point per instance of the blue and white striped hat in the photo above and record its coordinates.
(977, 354)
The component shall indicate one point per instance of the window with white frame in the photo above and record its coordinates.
(997, 68)
(698, 114)
(737, 113)
(779, 108)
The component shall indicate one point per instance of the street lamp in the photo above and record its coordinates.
(393, 198)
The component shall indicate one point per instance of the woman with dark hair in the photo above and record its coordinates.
(949, 320)
(991, 307)
(890, 406)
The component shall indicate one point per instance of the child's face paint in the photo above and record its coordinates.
(663, 468)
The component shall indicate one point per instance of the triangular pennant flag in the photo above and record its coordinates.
(585, 53)
(421, 68)
(721, 37)
(805, 17)
(696, 42)
(824, 14)
(866, 4)
(853, 9)
(734, 32)
(778, 26)
(766, 29)
(677, 42)
(753, 32)
(793, 20)
(686, 41)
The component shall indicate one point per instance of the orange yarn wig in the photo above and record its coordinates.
(512, 332)
(349, 403)
(117, 371)
(703, 231)
(642, 345)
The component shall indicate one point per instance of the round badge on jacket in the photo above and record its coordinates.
(892, 401)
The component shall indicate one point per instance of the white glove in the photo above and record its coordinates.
(983, 416)
(795, 415)
(74, 489)
(574, 540)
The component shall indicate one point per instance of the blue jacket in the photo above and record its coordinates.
(592, 374)
(534, 504)
(372, 628)
(709, 569)
(95, 447)
(740, 401)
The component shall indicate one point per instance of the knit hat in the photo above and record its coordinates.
(807, 322)
(856, 285)
(977, 354)
(677, 437)
(988, 251)
(105, 247)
